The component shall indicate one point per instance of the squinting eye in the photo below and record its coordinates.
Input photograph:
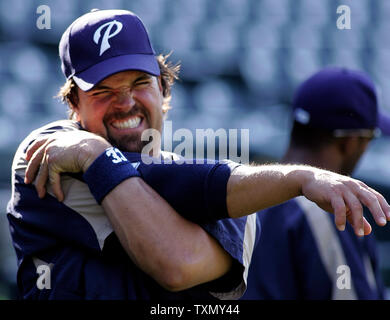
(142, 83)
(100, 93)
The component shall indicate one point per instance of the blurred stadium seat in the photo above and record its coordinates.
(273, 13)
(314, 13)
(178, 34)
(235, 12)
(260, 35)
(302, 63)
(259, 69)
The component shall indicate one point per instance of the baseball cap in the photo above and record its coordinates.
(339, 99)
(103, 42)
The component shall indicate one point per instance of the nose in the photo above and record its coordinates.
(124, 100)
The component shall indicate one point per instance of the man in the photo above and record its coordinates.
(107, 233)
(162, 252)
(305, 257)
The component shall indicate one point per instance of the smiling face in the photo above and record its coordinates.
(121, 107)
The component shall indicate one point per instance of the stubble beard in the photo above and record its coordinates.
(129, 143)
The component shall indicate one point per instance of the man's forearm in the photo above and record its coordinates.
(253, 188)
(250, 189)
(177, 253)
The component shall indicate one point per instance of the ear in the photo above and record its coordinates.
(73, 111)
(73, 105)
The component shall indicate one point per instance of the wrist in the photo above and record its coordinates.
(299, 177)
(90, 151)
(107, 171)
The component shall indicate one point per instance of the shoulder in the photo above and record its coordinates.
(52, 127)
(78, 217)
(59, 125)
(19, 161)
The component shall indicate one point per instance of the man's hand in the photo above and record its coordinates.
(72, 151)
(251, 189)
(345, 197)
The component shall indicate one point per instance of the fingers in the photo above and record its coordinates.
(344, 213)
(34, 147)
(41, 169)
(55, 181)
(371, 201)
(382, 202)
(348, 205)
(366, 227)
(340, 211)
(354, 213)
(34, 163)
(41, 178)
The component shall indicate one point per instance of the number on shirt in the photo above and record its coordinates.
(116, 155)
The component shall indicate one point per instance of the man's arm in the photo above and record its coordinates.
(177, 253)
(249, 189)
(334, 193)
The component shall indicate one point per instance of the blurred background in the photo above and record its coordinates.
(241, 62)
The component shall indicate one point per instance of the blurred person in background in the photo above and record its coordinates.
(301, 255)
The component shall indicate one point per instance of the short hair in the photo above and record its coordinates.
(169, 73)
(303, 136)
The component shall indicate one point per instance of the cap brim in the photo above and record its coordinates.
(384, 123)
(88, 78)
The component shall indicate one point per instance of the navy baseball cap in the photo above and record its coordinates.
(103, 42)
(339, 99)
